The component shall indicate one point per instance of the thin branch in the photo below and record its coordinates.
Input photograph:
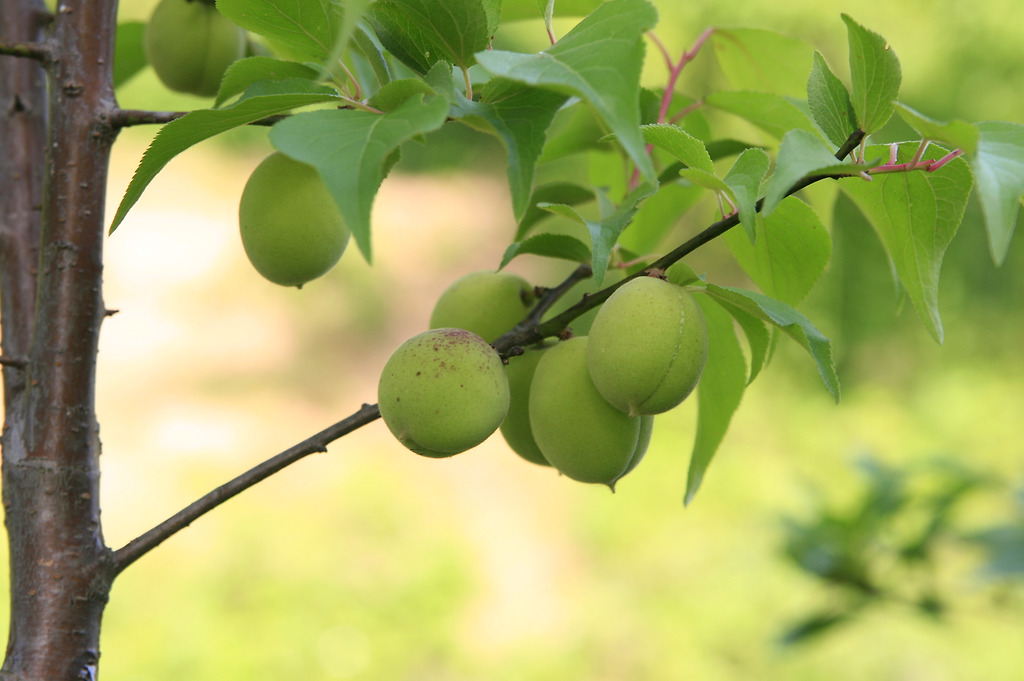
(123, 118)
(506, 344)
(550, 296)
(146, 542)
(852, 142)
(38, 51)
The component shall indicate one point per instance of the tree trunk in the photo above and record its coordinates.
(55, 139)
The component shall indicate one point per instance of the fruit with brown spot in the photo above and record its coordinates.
(443, 391)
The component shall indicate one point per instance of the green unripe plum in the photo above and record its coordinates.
(516, 427)
(581, 325)
(578, 432)
(292, 230)
(190, 44)
(646, 430)
(648, 346)
(443, 391)
(486, 303)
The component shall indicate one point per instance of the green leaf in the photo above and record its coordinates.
(245, 72)
(565, 193)
(761, 60)
(657, 216)
(129, 53)
(790, 322)
(956, 133)
(559, 246)
(175, 137)
(306, 30)
(718, 393)
(420, 33)
(395, 93)
(702, 178)
(680, 144)
(744, 179)
(365, 46)
(519, 116)
(724, 148)
(875, 76)
(600, 61)
(574, 129)
(916, 215)
(352, 31)
(351, 148)
(759, 338)
(681, 274)
(774, 114)
(605, 232)
(790, 254)
(999, 171)
(441, 79)
(801, 155)
(829, 101)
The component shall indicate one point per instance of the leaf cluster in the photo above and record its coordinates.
(589, 146)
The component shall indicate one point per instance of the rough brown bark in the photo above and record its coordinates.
(56, 144)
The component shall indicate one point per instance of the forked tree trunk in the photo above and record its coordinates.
(55, 141)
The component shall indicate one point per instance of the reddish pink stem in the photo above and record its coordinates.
(929, 166)
(677, 68)
(945, 159)
(674, 69)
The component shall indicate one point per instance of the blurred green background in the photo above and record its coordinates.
(368, 562)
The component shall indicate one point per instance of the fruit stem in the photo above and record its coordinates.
(357, 89)
(549, 20)
(356, 104)
(469, 83)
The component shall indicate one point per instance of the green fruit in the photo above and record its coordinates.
(581, 325)
(487, 303)
(190, 44)
(578, 432)
(646, 430)
(291, 228)
(443, 392)
(516, 427)
(648, 346)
